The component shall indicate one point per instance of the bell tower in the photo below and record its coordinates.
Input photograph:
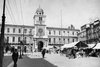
(39, 17)
(40, 36)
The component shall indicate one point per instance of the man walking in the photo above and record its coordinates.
(15, 57)
(43, 52)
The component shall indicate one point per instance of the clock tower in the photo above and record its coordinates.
(40, 36)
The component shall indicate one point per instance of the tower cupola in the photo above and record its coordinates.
(39, 11)
(39, 17)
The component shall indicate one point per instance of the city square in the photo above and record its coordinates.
(44, 33)
(56, 60)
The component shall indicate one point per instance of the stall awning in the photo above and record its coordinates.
(80, 44)
(91, 45)
(97, 46)
(69, 45)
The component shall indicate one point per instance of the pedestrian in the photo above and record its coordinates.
(7, 48)
(12, 49)
(15, 57)
(74, 53)
(43, 52)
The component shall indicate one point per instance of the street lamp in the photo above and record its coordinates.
(23, 42)
(20, 56)
(2, 35)
(46, 42)
(68, 37)
(34, 45)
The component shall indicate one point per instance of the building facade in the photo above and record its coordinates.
(90, 33)
(39, 35)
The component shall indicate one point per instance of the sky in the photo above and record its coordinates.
(75, 12)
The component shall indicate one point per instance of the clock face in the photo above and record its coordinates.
(40, 30)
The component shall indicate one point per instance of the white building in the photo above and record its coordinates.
(39, 35)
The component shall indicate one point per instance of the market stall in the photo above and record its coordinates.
(97, 50)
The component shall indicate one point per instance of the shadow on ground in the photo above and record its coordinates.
(6, 61)
(35, 62)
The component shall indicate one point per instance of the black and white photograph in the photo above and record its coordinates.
(49, 33)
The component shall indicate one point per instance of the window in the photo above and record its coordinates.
(25, 30)
(8, 30)
(64, 40)
(18, 39)
(7, 39)
(73, 40)
(49, 32)
(54, 40)
(67, 31)
(40, 13)
(59, 39)
(13, 39)
(54, 32)
(59, 33)
(19, 30)
(25, 38)
(30, 32)
(77, 33)
(13, 30)
(30, 37)
(73, 33)
(49, 40)
(63, 31)
(68, 40)
(40, 18)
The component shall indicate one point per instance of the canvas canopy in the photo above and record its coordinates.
(91, 45)
(97, 46)
(80, 44)
(69, 45)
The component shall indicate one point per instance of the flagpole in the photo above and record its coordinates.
(61, 25)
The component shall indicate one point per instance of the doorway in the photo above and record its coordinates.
(40, 46)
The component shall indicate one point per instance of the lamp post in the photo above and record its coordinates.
(46, 43)
(68, 37)
(20, 56)
(34, 45)
(23, 41)
(2, 35)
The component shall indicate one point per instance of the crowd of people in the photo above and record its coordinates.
(86, 52)
(75, 52)
(72, 52)
(11, 49)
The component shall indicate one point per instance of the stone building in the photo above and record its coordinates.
(90, 33)
(39, 35)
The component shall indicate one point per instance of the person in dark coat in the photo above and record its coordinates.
(43, 52)
(12, 49)
(15, 57)
(7, 48)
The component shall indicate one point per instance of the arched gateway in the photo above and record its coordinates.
(40, 46)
